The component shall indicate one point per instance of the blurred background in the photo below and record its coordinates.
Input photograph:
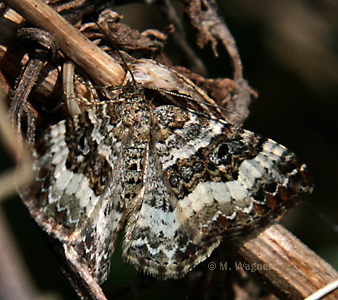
(289, 50)
(290, 56)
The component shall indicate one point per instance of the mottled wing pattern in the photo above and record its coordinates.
(154, 237)
(179, 180)
(206, 179)
(77, 193)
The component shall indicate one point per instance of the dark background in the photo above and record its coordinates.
(290, 57)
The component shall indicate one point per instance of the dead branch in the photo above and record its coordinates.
(293, 270)
(97, 64)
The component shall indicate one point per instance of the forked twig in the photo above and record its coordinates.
(97, 64)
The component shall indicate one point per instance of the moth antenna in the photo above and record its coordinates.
(194, 100)
(89, 84)
(111, 40)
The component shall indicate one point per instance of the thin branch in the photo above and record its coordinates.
(98, 65)
(324, 291)
(211, 28)
(196, 64)
(293, 270)
(14, 280)
(20, 153)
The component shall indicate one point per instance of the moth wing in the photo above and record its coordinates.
(155, 242)
(204, 180)
(76, 195)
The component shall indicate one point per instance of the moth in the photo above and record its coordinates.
(175, 180)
